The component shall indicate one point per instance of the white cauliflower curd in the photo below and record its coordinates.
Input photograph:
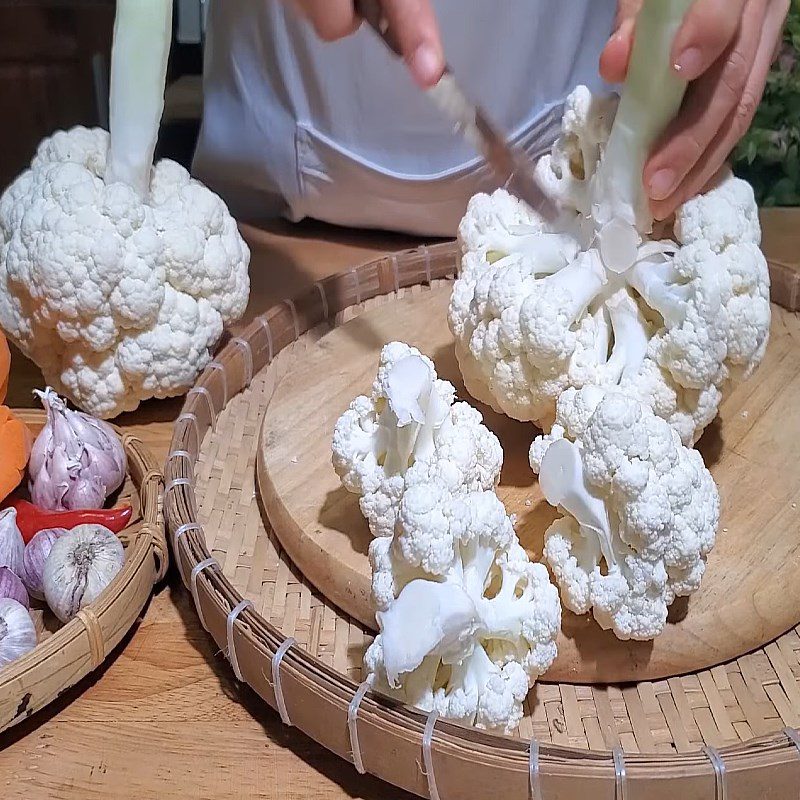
(409, 429)
(117, 276)
(640, 510)
(467, 622)
(593, 297)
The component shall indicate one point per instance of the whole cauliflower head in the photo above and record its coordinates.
(467, 621)
(640, 510)
(410, 429)
(542, 306)
(116, 299)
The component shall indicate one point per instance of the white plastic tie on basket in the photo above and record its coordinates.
(354, 273)
(179, 533)
(534, 776)
(326, 314)
(196, 570)
(620, 774)
(396, 273)
(794, 737)
(277, 660)
(720, 778)
(427, 755)
(217, 367)
(234, 661)
(176, 454)
(352, 726)
(190, 417)
(209, 400)
(427, 254)
(264, 322)
(295, 321)
(247, 358)
(174, 484)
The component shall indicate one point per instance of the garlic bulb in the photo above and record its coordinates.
(76, 460)
(11, 586)
(36, 552)
(12, 547)
(17, 633)
(80, 565)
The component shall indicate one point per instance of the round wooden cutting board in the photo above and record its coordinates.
(751, 590)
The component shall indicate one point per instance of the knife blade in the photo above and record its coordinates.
(511, 164)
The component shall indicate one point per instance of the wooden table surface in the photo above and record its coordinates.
(164, 717)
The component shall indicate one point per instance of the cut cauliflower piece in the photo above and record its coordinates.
(539, 307)
(116, 298)
(567, 171)
(467, 621)
(640, 510)
(410, 429)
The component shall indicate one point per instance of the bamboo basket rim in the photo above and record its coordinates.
(80, 646)
(224, 612)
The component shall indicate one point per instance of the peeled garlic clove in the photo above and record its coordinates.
(36, 552)
(12, 546)
(17, 632)
(11, 586)
(80, 565)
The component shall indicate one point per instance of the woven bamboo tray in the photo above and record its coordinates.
(724, 732)
(68, 653)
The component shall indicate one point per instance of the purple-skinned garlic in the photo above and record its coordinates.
(11, 586)
(17, 631)
(76, 462)
(36, 552)
(79, 567)
(12, 546)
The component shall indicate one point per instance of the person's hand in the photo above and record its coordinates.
(725, 48)
(412, 21)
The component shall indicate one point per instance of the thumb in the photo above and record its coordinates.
(617, 52)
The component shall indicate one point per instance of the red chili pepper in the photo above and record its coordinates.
(31, 519)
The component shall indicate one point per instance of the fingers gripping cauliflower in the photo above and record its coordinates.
(592, 298)
(640, 510)
(410, 430)
(467, 621)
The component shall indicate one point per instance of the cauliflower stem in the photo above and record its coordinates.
(139, 56)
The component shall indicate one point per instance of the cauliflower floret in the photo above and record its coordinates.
(641, 511)
(116, 299)
(491, 221)
(540, 307)
(409, 431)
(467, 621)
(727, 215)
(566, 173)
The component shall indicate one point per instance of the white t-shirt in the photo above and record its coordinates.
(340, 133)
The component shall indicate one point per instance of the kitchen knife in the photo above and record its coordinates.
(512, 165)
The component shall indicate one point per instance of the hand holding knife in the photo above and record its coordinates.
(511, 164)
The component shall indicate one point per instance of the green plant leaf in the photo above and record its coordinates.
(768, 156)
